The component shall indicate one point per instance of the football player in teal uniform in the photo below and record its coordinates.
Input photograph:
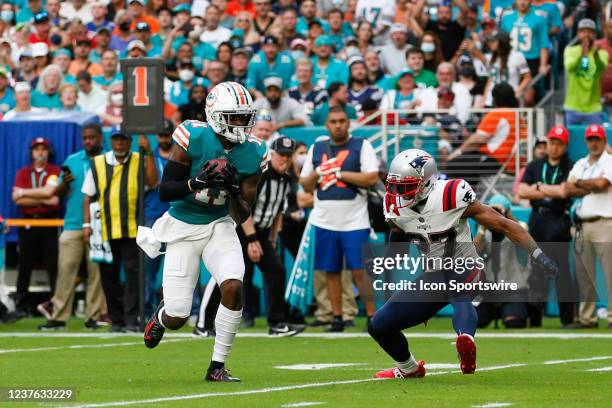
(211, 182)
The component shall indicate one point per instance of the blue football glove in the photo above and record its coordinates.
(550, 267)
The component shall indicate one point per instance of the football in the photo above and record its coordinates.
(221, 165)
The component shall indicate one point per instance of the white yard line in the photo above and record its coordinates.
(302, 404)
(261, 390)
(493, 405)
(81, 346)
(578, 360)
(261, 335)
(601, 369)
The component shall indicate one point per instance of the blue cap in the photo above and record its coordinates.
(62, 51)
(500, 201)
(182, 7)
(324, 40)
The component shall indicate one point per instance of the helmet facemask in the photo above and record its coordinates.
(234, 126)
(405, 192)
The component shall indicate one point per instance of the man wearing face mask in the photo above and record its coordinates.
(7, 15)
(36, 241)
(451, 33)
(179, 91)
(308, 95)
(122, 34)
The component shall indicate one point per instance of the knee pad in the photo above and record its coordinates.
(177, 307)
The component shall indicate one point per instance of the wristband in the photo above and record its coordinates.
(251, 238)
(536, 252)
(86, 225)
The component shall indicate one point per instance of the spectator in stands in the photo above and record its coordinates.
(154, 209)
(225, 20)
(143, 33)
(99, 21)
(340, 213)
(308, 95)
(26, 72)
(40, 53)
(7, 95)
(365, 36)
(469, 79)
(446, 76)
(102, 41)
(327, 69)
(68, 97)
(76, 9)
(308, 11)
(285, 111)
(264, 127)
(398, 46)
(432, 51)
(288, 20)
(6, 54)
(91, 97)
(123, 310)
(122, 34)
(112, 115)
(267, 60)
(380, 18)
(110, 73)
(585, 64)
(338, 96)
(506, 65)
(415, 61)
(263, 19)
(606, 79)
(403, 96)
(360, 89)
(338, 28)
(164, 16)
(244, 22)
(179, 91)
(476, 157)
(213, 33)
(239, 66)
(450, 128)
(224, 54)
(375, 71)
(62, 58)
(216, 73)
(194, 109)
(136, 49)
(450, 33)
(237, 6)
(532, 35)
(72, 249)
(23, 98)
(81, 60)
(138, 14)
(549, 223)
(42, 29)
(47, 93)
(52, 7)
(591, 180)
(35, 243)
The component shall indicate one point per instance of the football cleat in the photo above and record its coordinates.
(286, 330)
(200, 332)
(466, 350)
(397, 372)
(220, 375)
(154, 331)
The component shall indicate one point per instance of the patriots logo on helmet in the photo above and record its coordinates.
(419, 162)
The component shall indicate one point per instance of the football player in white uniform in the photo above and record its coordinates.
(433, 214)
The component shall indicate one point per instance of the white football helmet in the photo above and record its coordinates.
(229, 111)
(412, 176)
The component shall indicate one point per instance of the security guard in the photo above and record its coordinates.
(113, 181)
(549, 222)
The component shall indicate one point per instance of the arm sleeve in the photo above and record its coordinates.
(174, 184)
(89, 186)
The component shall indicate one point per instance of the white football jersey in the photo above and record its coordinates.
(377, 12)
(439, 225)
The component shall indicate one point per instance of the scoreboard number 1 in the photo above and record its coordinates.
(141, 98)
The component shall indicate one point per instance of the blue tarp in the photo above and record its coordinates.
(63, 129)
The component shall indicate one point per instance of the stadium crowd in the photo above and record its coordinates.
(302, 61)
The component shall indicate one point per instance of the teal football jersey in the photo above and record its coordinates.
(529, 33)
(202, 144)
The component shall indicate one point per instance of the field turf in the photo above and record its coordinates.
(529, 368)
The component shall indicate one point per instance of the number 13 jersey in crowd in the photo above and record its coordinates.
(202, 144)
(439, 223)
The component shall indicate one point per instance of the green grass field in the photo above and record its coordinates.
(118, 370)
